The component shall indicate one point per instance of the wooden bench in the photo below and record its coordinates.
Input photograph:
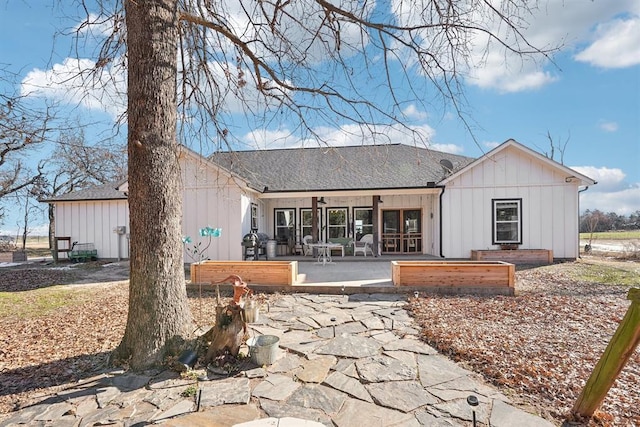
(258, 272)
(514, 256)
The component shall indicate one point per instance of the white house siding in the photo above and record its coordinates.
(93, 222)
(213, 199)
(549, 205)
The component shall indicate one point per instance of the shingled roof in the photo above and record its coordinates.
(100, 192)
(364, 167)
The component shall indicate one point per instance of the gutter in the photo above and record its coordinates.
(440, 215)
(580, 191)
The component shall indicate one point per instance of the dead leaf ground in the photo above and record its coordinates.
(539, 347)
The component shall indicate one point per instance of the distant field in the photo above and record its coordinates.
(612, 235)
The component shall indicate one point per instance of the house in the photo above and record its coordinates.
(412, 200)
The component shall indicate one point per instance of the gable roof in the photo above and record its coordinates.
(584, 180)
(363, 167)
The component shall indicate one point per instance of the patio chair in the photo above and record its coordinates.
(306, 249)
(363, 245)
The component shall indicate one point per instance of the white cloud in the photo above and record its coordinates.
(303, 22)
(616, 44)
(608, 126)
(349, 135)
(490, 145)
(612, 193)
(608, 179)
(95, 26)
(74, 82)
(412, 112)
(622, 202)
(555, 24)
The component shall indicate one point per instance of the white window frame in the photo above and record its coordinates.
(309, 226)
(254, 216)
(503, 222)
(360, 228)
(290, 216)
(343, 226)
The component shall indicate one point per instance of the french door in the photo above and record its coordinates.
(402, 231)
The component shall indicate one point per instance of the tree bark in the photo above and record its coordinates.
(159, 319)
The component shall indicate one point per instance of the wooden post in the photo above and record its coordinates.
(314, 220)
(619, 350)
(374, 219)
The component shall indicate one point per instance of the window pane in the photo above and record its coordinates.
(285, 224)
(506, 211)
(307, 222)
(363, 222)
(337, 222)
(507, 232)
(507, 221)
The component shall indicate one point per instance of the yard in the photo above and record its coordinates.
(539, 346)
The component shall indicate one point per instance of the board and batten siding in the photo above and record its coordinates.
(93, 222)
(211, 198)
(549, 205)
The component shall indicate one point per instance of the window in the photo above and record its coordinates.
(254, 216)
(306, 219)
(285, 224)
(507, 221)
(362, 222)
(337, 223)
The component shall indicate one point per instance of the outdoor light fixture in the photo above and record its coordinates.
(473, 402)
(321, 201)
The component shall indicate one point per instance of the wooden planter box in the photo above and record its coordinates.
(515, 256)
(13, 256)
(252, 272)
(461, 275)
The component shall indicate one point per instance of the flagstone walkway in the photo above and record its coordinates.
(343, 360)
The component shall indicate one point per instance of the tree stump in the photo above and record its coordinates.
(228, 333)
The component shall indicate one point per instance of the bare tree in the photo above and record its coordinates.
(555, 145)
(76, 165)
(191, 62)
(28, 198)
(23, 131)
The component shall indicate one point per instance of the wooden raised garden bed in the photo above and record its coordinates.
(455, 276)
(13, 256)
(252, 272)
(514, 256)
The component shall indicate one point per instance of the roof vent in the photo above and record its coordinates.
(447, 166)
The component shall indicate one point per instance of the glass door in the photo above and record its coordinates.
(412, 233)
(402, 231)
(391, 233)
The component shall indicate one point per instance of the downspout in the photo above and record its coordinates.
(440, 219)
(580, 191)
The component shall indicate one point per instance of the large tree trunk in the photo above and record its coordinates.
(159, 318)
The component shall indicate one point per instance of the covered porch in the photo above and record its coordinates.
(401, 222)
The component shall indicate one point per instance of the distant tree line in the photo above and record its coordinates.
(597, 221)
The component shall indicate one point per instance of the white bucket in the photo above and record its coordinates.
(263, 349)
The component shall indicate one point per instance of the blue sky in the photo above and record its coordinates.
(589, 96)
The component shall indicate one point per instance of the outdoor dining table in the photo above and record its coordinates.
(324, 251)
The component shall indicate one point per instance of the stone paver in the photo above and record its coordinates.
(344, 360)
